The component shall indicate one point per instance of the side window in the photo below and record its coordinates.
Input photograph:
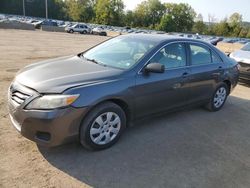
(216, 58)
(171, 56)
(200, 55)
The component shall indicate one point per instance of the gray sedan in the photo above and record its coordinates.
(96, 94)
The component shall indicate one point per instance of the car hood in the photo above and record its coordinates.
(57, 75)
(241, 56)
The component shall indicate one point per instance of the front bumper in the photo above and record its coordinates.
(103, 33)
(49, 128)
(46, 127)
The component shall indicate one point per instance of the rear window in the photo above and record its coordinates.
(200, 55)
(215, 58)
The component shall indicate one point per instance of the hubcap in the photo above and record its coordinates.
(105, 128)
(220, 97)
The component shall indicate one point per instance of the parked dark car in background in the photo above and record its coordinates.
(38, 24)
(242, 56)
(216, 40)
(94, 95)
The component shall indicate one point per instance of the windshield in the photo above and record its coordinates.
(246, 47)
(120, 52)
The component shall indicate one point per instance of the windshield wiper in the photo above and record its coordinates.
(94, 61)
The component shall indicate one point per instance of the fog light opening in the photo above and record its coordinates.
(44, 136)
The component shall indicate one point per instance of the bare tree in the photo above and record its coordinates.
(211, 18)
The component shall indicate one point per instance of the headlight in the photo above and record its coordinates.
(52, 101)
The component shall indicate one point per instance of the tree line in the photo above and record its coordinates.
(150, 14)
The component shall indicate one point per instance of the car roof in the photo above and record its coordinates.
(160, 38)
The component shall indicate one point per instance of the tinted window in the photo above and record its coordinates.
(216, 58)
(171, 56)
(200, 55)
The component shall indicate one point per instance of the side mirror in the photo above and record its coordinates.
(155, 68)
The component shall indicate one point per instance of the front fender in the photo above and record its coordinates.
(93, 94)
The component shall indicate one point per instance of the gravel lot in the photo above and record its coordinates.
(191, 148)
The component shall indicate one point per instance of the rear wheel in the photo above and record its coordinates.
(219, 98)
(103, 126)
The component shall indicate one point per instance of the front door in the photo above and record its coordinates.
(156, 92)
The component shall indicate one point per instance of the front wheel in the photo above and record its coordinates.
(103, 126)
(219, 98)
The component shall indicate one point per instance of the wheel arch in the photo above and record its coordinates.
(124, 106)
(118, 101)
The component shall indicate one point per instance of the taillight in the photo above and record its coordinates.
(238, 67)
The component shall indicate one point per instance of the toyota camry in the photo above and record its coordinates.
(95, 95)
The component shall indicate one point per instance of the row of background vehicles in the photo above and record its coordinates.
(92, 28)
(81, 28)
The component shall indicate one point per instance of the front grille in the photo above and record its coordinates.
(19, 97)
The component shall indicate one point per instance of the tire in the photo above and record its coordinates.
(71, 31)
(97, 132)
(219, 98)
(84, 32)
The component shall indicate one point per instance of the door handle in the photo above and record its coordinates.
(216, 74)
(185, 74)
(177, 85)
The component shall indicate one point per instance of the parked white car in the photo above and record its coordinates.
(80, 28)
(99, 31)
(242, 56)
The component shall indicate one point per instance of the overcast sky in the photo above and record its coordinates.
(220, 8)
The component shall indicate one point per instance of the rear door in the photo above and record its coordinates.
(206, 68)
(156, 92)
(82, 28)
